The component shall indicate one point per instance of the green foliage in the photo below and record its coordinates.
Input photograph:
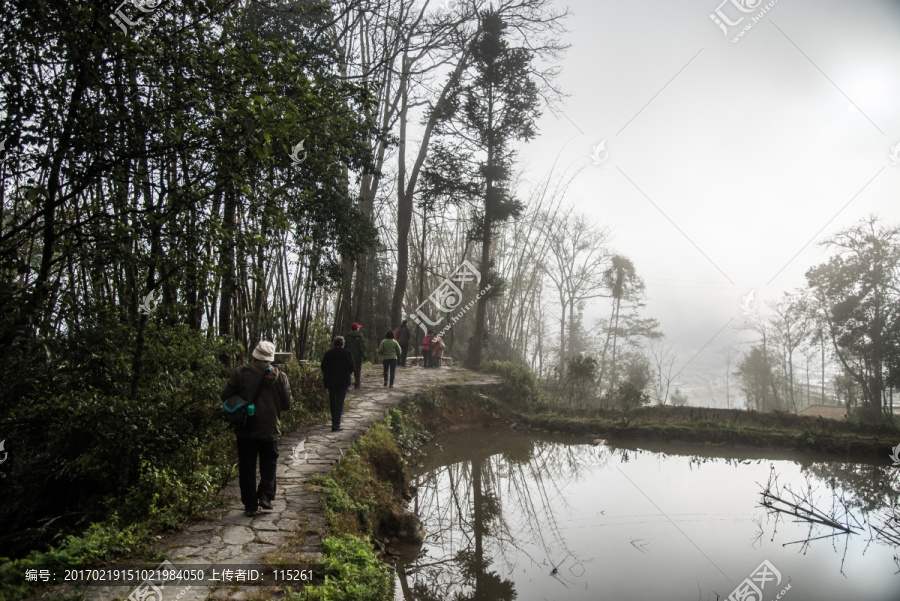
(380, 450)
(154, 460)
(344, 514)
(310, 398)
(352, 572)
(582, 368)
(519, 381)
(113, 259)
(163, 498)
(100, 543)
(362, 499)
(363, 489)
(628, 397)
(87, 436)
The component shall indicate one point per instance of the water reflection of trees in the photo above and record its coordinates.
(870, 487)
(485, 510)
(859, 499)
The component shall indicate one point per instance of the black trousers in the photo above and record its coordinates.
(426, 358)
(390, 365)
(404, 349)
(336, 398)
(248, 451)
(357, 370)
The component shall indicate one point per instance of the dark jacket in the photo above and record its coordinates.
(337, 367)
(404, 336)
(356, 344)
(274, 398)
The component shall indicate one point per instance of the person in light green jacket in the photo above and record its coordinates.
(389, 351)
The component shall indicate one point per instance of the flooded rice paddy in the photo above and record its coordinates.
(514, 515)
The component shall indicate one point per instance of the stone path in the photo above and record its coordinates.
(234, 539)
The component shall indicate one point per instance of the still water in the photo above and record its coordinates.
(514, 515)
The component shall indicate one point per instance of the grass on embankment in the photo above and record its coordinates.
(366, 494)
(364, 501)
(523, 400)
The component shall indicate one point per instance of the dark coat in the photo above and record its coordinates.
(274, 398)
(356, 344)
(337, 367)
(403, 337)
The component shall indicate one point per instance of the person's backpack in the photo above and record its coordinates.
(235, 408)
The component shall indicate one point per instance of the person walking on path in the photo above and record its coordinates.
(356, 344)
(426, 350)
(389, 351)
(337, 367)
(269, 391)
(437, 350)
(403, 341)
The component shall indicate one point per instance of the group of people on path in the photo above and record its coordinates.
(432, 350)
(347, 355)
(269, 393)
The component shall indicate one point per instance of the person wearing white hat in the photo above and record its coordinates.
(269, 392)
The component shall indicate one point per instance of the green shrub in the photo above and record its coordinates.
(310, 398)
(352, 572)
(519, 381)
(100, 543)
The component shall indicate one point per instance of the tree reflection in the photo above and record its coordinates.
(871, 487)
(854, 498)
(485, 508)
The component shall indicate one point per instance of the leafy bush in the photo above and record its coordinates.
(351, 571)
(96, 436)
(310, 398)
(628, 397)
(100, 543)
(520, 382)
(85, 432)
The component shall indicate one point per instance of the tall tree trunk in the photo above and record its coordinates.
(406, 189)
(615, 340)
(476, 344)
(609, 330)
(228, 266)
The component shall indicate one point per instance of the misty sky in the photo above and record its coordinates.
(750, 150)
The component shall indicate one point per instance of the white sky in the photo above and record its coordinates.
(750, 150)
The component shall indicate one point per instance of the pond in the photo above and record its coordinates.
(514, 515)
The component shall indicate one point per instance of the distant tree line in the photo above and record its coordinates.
(836, 341)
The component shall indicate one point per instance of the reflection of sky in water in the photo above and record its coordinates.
(634, 524)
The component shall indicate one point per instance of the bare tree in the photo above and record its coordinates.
(578, 255)
(662, 359)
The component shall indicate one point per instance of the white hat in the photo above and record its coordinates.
(264, 351)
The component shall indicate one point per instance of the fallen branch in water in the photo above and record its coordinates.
(806, 513)
(784, 500)
(890, 532)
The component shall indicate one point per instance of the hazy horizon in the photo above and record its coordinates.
(748, 148)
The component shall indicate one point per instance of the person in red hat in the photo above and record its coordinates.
(356, 344)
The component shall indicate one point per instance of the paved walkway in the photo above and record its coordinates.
(234, 539)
